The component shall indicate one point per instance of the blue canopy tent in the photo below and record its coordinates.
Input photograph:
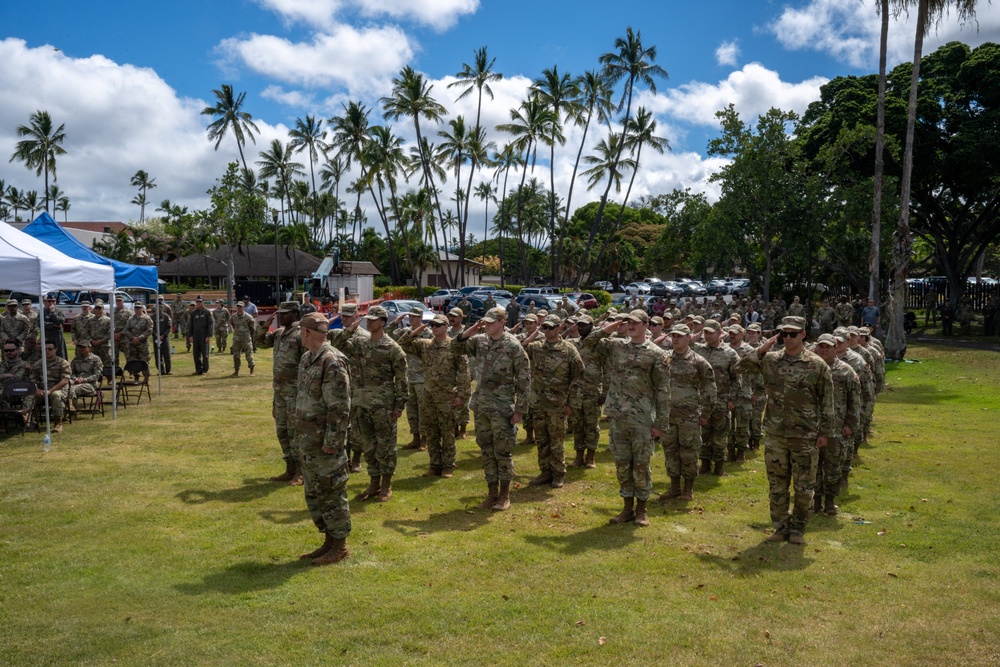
(48, 231)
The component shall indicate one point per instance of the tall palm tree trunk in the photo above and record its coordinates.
(874, 261)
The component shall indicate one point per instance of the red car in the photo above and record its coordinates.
(583, 299)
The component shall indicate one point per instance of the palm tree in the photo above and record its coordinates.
(633, 63)
(559, 93)
(350, 134)
(15, 198)
(41, 147)
(874, 261)
(383, 157)
(486, 192)
(55, 193)
(142, 181)
(140, 201)
(310, 134)
(503, 161)
(62, 204)
(30, 202)
(229, 115)
(928, 12)
(276, 163)
(604, 164)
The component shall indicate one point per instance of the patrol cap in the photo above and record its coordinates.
(531, 317)
(737, 329)
(83, 343)
(668, 316)
(712, 325)
(376, 313)
(754, 327)
(612, 311)
(240, 304)
(439, 319)
(552, 319)
(792, 323)
(826, 339)
(137, 306)
(416, 310)
(680, 330)
(98, 304)
(456, 312)
(543, 313)
(864, 330)
(118, 297)
(82, 303)
(12, 302)
(638, 316)
(840, 337)
(25, 302)
(289, 307)
(496, 314)
(315, 322)
(853, 331)
(349, 309)
(656, 321)
(842, 331)
(698, 319)
(585, 319)
(219, 301)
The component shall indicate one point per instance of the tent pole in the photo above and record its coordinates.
(159, 356)
(45, 365)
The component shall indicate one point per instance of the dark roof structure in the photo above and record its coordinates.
(253, 261)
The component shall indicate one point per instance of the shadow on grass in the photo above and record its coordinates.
(285, 517)
(462, 520)
(245, 577)
(599, 538)
(919, 394)
(763, 557)
(252, 489)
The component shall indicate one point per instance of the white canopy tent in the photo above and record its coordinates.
(29, 265)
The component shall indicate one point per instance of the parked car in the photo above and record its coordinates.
(441, 297)
(691, 287)
(740, 288)
(637, 288)
(471, 289)
(542, 289)
(718, 287)
(478, 309)
(583, 299)
(495, 292)
(395, 307)
(542, 301)
(604, 285)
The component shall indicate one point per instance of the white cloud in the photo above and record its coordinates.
(357, 59)
(323, 14)
(727, 53)
(848, 30)
(290, 98)
(318, 13)
(753, 89)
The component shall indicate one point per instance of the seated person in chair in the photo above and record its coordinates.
(85, 373)
(58, 371)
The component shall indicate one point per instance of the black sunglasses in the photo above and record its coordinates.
(548, 327)
(437, 324)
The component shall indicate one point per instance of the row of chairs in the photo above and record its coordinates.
(132, 381)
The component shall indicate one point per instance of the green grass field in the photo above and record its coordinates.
(156, 540)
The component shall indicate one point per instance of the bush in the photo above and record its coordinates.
(603, 297)
(403, 292)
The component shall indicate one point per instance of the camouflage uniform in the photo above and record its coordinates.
(845, 313)
(556, 375)
(414, 383)
(446, 377)
(868, 411)
(739, 432)
(13, 327)
(758, 399)
(32, 316)
(638, 400)
(58, 369)
(827, 318)
(242, 326)
(221, 328)
(89, 368)
(183, 318)
(141, 327)
(379, 390)
(502, 390)
(847, 412)
(355, 442)
(586, 415)
(81, 327)
(867, 380)
(800, 409)
(462, 412)
(100, 330)
(715, 434)
(121, 316)
(692, 395)
(322, 409)
(287, 353)
(15, 369)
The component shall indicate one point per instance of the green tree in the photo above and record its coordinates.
(229, 115)
(309, 134)
(39, 149)
(142, 181)
(276, 162)
(236, 218)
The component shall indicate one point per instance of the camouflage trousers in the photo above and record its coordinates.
(829, 467)
(104, 352)
(632, 446)
(414, 409)
(847, 454)
(355, 443)
(137, 351)
(80, 391)
(757, 416)
(283, 409)
(57, 405)
(739, 430)
(462, 413)
(324, 478)
(585, 423)
(438, 414)
(378, 440)
(242, 345)
(495, 436)
(681, 447)
(715, 434)
(867, 413)
(550, 436)
(790, 462)
(221, 336)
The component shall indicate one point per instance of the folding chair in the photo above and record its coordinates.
(112, 374)
(95, 403)
(140, 371)
(13, 394)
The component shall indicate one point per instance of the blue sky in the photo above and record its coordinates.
(128, 79)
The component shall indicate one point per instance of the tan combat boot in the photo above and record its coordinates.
(373, 488)
(688, 493)
(544, 478)
(414, 444)
(356, 461)
(674, 491)
(503, 498)
(720, 468)
(529, 435)
(829, 509)
(627, 514)
(706, 467)
(558, 479)
(316, 553)
(297, 479)
(491, 497)
(578, 462)
(641, 516)
(287, 475)
(385, 491)
(337, 552)
(589, 460)
(433, 471)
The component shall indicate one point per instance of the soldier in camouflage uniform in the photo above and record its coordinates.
(28, 311)
(867, 382)
(221, 328)
(556, 375)
(800, 421)
(847, 413)
(462, 412)
(692, 397)
(242, 326)
(100, 333)
(120, 318)
(854, 341)
(845, 312)
(873, 345)
(447, 388)
(288, 351)
(184, 324)
(85, 373)
(827, 317)
(12, 367)
(136, 335)
(501, 398)
(179, 308)
(638, 374)
(797, 309)
(758, 393)
(715, 434)
(739, 431)
(414, 378)
(380, 392)
(529, 325)
(593, 392)
(355, 443)
(322, 412)
(81, 323)
(14, 325)
(58, 380)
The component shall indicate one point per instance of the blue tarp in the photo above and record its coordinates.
(47, 230)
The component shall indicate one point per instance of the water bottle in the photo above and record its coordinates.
(213, 349)
(173, 350)
(46, 443)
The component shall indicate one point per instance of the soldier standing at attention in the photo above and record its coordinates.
(556, 376)
(288, 351)
(380, 392)
(593, 391)
(414, 379)
(462, 412)
(221, 325)
(847, 416)
(692, 397)
(827, 317)
(638, 374)
(715, 434)
(100, 333)
(866, 377)
(529, 325)
(179, 309)
(348, 315)
(54, 326)
(242, 326)
(322, 411)
(447, 388)
(200, 327)
(32, 315)
(501, 398)
(81, 323)
(489, 302)
(930, 307)
(120, 317)
(845, 312)
(800, 421)
(135, 336)
(513, 314)
(739, 431)
(13, 324)
(85, 373)
(185, 324)
(758, 393)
